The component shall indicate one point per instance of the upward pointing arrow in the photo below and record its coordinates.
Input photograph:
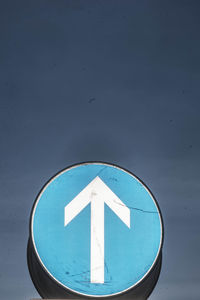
(97, 192)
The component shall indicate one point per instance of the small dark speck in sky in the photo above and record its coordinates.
(91, 100)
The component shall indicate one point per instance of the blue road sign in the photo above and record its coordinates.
(96, 229)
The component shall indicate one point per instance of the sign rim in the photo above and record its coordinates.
(35, 248)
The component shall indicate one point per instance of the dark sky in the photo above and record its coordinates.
(109, 80)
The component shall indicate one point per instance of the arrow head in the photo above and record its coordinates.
(97, 189)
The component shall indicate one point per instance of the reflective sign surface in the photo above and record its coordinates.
(96, 229)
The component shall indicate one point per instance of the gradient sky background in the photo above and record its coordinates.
(117, 81)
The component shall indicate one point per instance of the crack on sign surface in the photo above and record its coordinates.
(107, 270)
(101, 170)
(77, 274)
(136, 208)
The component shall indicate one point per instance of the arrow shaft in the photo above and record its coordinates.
(97, 192)
(97, 241)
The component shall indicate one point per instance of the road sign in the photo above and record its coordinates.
(96, 229)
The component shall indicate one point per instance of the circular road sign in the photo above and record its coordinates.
(95, 230)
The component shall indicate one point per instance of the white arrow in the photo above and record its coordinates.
(97, 192)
